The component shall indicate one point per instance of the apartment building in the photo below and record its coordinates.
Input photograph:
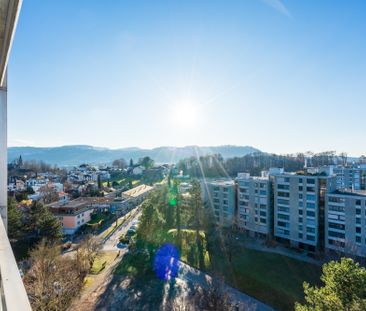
(352, 178)
(345, 222)
(255, 205)
(73, 214)
(221, 197)
(299, 204)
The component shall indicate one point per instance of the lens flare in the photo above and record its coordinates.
(166, 262)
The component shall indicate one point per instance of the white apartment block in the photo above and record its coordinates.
(299, 203)
(345, 222)
(352, 178)
(221, 197)
(255, 206)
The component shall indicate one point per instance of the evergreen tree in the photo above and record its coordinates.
(344, 288)
(99, 182)
(15, 217)
(43, 223)
(131, 163)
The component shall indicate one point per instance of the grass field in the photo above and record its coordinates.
(102, 260)
(274, 279)
(99, 218)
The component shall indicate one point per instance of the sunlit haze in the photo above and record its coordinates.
(282, 76)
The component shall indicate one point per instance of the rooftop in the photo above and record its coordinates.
(137, 191)
(80, 202)
(361, 193)
(222, 182)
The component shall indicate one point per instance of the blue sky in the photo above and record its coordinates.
(282, 76)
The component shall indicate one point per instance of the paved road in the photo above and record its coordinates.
(112, 241)
(89, 295)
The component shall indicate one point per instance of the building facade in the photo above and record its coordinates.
(299, 204)
(221, 197)
(255, 205)
(345, 222)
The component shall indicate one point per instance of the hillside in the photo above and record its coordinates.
(77, 154)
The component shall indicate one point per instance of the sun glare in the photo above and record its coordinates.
(184, 115)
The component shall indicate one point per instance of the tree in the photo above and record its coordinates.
(48, 194)
(197, 206)
(344, 157)
(50, 227)
(54, 280)
(15, 217)
(146, 162)
(99, 180)
(214, 297)
(120, 163)
(131, 163)
(344, 288)
(43, 223)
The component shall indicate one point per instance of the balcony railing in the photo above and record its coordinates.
(12, 292)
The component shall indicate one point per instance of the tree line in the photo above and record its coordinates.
(216, 166)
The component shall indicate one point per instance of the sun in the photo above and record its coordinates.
(184, 115)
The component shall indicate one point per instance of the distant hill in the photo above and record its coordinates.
(77, 154)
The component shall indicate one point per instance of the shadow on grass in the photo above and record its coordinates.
(271, 278)
(134, 286)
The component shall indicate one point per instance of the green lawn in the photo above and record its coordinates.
(101, 261)
(274, 279)
(99, 218)
(135, 264)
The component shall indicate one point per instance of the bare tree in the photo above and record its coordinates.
(344, 157)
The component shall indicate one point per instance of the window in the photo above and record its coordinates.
(283, 224)
(310, 237)
(336, 226)
(283, 209)
(283, 202)
(283, 187)
(310, 229)
(358, 202)
(310, 197)
(358, 229)
(336, 200)
(336, 208)
(300, 219)
(300, 235)
(310, 205)
(310, 189)
(283, 194)
(336, 234)
(358, 239)
(263, 221)
(310, 181)
(358, 211)
(282, 216)
(310, 213)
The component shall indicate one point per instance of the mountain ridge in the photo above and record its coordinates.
(76, 154)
